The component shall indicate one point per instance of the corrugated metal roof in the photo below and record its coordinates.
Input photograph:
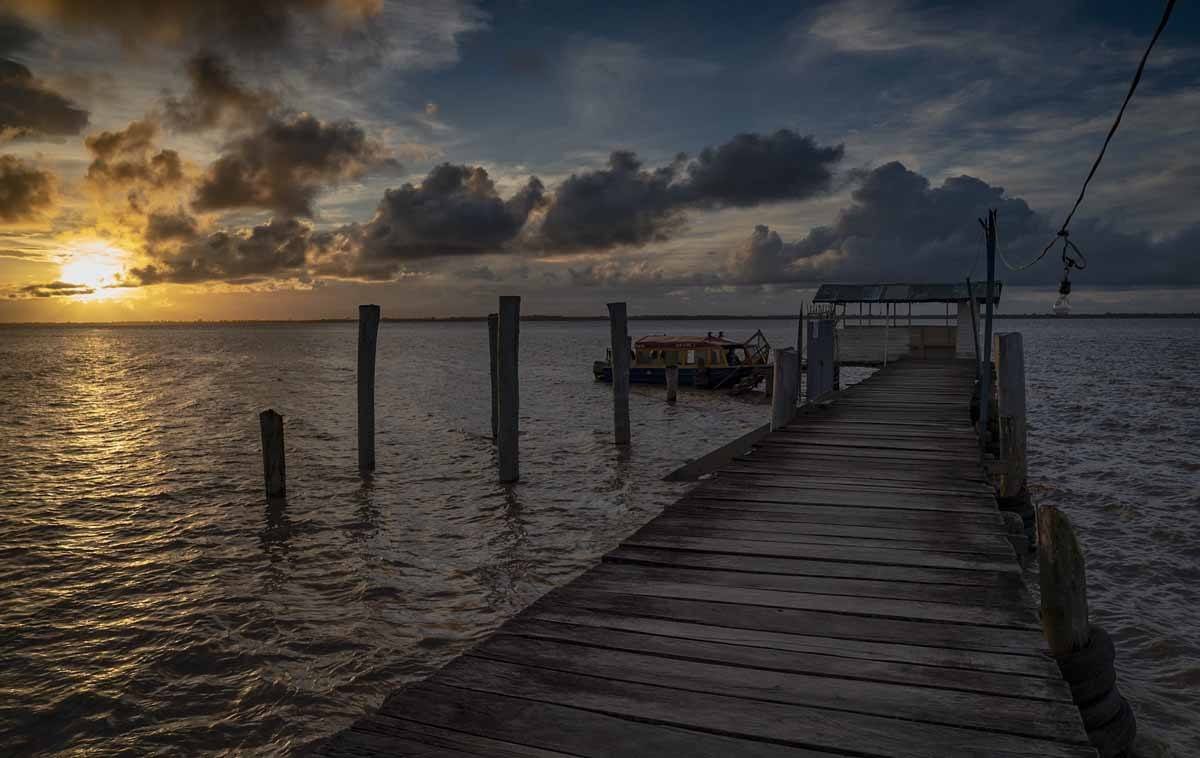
(903, 293)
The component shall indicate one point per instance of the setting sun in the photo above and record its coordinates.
(95, 265)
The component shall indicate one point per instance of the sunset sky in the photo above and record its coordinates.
(241, 159)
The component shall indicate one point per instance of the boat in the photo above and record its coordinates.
(708, 362)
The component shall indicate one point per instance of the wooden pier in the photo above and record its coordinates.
(846, 588)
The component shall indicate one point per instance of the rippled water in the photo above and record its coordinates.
(149, 600)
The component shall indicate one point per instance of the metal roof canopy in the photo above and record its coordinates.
(904, 293)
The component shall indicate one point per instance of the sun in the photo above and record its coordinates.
(94, 264)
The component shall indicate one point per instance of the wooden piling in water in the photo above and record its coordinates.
(368, 333)
(1063, 580)
(493, 347)
(274, 471)
(786, 379)
(672, 383)
(508, 391)
(1010, 390)
(619, 330)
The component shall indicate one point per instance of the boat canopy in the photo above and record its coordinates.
(663, 342)
(839, 294)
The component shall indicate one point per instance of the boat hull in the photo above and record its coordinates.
(704, 378)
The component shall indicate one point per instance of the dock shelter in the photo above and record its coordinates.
(876, 321)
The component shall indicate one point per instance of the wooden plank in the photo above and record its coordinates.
(930, 705)
(760, 651)
(981, 523)
(975, 541)
(1008, 616)
(552, 726)
(809, 567)
(678, 527)
(936, 593)
(819, 623)
(723, 491)
(789, 724)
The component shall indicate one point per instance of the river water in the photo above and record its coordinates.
(151, 603)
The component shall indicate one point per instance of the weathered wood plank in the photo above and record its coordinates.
(790, 724)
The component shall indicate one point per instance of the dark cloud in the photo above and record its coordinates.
(285, 164)
(216, 98)
(277, 249)
(29, 109)
(25, 191)
(249, 25)
(163, 227)
(626, 204)
(900, 228)
(456, 210)
(15, 35)
(54, 289)
(623, 204)
(127, 159)
(752, 168)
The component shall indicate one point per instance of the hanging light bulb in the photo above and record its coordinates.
(1062, 306)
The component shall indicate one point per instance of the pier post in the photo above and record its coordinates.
(800, 350)
(619, 329)
(1010, 390)
(274, 472)
(508, 390)
(368, 333)
(1063, 581)
(672, 383)
(787, 378)
(985, 382)
(821, 358)
(493, 347)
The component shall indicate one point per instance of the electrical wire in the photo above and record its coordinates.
(1063, 231)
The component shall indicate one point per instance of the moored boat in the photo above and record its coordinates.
(709, 362)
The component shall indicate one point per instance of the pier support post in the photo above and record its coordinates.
(672, 383)
(493, 347)
(1010, 390)
(508, 391)
(368, 334)
(821, 358)
(1063, 580)
(787, 379)
(619, 328)
(800, 350)
(274, 472)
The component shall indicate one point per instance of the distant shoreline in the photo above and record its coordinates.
(539, 318)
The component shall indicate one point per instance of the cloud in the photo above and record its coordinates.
(216, 98)
(28, 108)
(900, 228)
(456, 210)
(127, 157)
(620, 205)
(752, 168)
(285, 163)
(15, 35)
(249, 25)
(26, 192)
(53, 289)
(626, 204)
(277, 249)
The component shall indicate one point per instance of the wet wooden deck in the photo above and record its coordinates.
(845, 589)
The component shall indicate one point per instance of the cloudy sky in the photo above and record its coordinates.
(226, 159)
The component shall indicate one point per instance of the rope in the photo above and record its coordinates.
(1063, 232)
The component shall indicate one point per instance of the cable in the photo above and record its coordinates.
(1063, 231)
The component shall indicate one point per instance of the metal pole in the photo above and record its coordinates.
(985, 385)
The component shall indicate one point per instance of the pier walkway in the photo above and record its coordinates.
(847, 588)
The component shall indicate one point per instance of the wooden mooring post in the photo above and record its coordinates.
(508, 391)
(1010, 390)
(672, 373)
(368, 337)
(274, 471)
(822, 358)
(493, 347)
(786, 380)
(619, 329)
(800, 350)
